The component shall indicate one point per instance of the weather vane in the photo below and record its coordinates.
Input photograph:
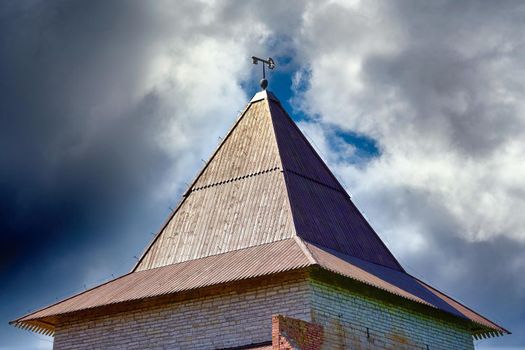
(271, 65)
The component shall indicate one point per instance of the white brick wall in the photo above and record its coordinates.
(345, 317)
(235, 319)
(207, 323)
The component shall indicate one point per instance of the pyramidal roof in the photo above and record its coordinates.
(264, 203)
(264, 183)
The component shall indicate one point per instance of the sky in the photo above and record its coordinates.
(107, 109)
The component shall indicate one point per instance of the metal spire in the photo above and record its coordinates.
(271, 65)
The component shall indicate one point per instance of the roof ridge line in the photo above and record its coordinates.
(336, 253)
(308, 144)
(237, 178)
(276, 109)
(305, 250)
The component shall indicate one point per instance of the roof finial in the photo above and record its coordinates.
(271, 65)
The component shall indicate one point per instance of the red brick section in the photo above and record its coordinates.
(292, 334)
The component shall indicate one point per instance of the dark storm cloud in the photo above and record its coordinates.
(65, 159)
(443, 89)
(63, 185)
(101, 123)
(450, 70)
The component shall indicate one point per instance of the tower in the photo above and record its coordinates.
(264, 251)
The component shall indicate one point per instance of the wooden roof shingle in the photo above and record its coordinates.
(264, 183)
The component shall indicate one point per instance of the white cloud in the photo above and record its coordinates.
(445, 111)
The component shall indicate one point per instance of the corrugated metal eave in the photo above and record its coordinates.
(37, 326)
(335, 264)
(492, 328)
(272, 258)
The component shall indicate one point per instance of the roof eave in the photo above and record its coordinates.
(477, 330)
(46, 325)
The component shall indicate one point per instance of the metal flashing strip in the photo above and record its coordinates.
(232, 180)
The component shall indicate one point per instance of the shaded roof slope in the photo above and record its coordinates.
(322, 211)
(264, 183)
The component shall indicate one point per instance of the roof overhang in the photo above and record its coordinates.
(247, 268)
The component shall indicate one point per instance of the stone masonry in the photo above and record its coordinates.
(335, 319)
(290, 333)
(222, 321)
(352, 321)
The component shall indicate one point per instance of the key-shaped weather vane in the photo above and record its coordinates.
(271, 65)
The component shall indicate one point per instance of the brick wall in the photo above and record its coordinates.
(346, 316)
(290, 333)
(339, 319)
(221, 321)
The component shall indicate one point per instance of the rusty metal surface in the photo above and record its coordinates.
(252, 262)
(262, 260)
